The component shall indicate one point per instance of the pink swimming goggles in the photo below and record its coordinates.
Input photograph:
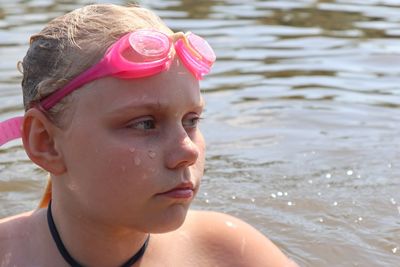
(138, 54)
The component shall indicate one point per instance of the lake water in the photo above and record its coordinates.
(302, 119)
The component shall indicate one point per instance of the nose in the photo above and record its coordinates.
(182, 151)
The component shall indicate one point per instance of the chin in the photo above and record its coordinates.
(171, 219)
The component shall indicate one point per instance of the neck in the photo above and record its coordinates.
(93, 244)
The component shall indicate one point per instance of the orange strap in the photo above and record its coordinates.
(46, 197)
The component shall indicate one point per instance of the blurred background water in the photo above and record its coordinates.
(302, 119)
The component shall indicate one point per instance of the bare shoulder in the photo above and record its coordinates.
(234, 242)
(15, 232)
(10, 225)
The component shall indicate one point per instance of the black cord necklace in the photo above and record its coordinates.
(68, 258)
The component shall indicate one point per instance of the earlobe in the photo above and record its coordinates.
(38, 137)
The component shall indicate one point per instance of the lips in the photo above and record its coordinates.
(183, 191)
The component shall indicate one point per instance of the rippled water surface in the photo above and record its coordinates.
(302, 119)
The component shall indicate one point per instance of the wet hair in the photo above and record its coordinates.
(72, 43)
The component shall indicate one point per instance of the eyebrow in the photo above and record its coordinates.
(159, 105)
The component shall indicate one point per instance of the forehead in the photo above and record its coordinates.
(175, 88)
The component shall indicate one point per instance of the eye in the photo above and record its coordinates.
(144, 124)
(191, 121)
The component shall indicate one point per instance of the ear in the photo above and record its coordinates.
(38, 137)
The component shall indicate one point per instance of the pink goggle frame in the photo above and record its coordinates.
(138, 54)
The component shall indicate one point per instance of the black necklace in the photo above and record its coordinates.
(68, 258)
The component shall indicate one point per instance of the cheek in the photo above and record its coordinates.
(119, 177)
(201, 146)
(124, 166)
(111, 169)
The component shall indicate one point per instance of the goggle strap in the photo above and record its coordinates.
(10, 129)
(189, 46)
(89, 75)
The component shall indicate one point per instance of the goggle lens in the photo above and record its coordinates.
(150, 45)
(202, 47)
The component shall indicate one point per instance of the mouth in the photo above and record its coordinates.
(182, 191)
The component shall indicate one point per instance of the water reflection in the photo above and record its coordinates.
(302, 119)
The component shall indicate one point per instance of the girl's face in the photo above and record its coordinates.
(129, 142)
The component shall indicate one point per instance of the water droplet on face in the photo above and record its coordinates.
(393, 201)
(207, 201)
(394, 250)
(280, 194)
(335, 203)
(137, 161)
(389, 165)
(253, 200)
(319, 194)
(290, 203)
(328, 176)
(273, 195)
(321, 220)
(285, 193)
(205, 193)
(152, 154)
(310, 181)
(349, 172)
(233, 197)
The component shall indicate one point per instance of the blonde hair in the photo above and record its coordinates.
(70, 44)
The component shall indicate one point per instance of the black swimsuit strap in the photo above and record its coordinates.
(68, 258)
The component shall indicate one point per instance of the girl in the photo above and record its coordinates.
(112, 103)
